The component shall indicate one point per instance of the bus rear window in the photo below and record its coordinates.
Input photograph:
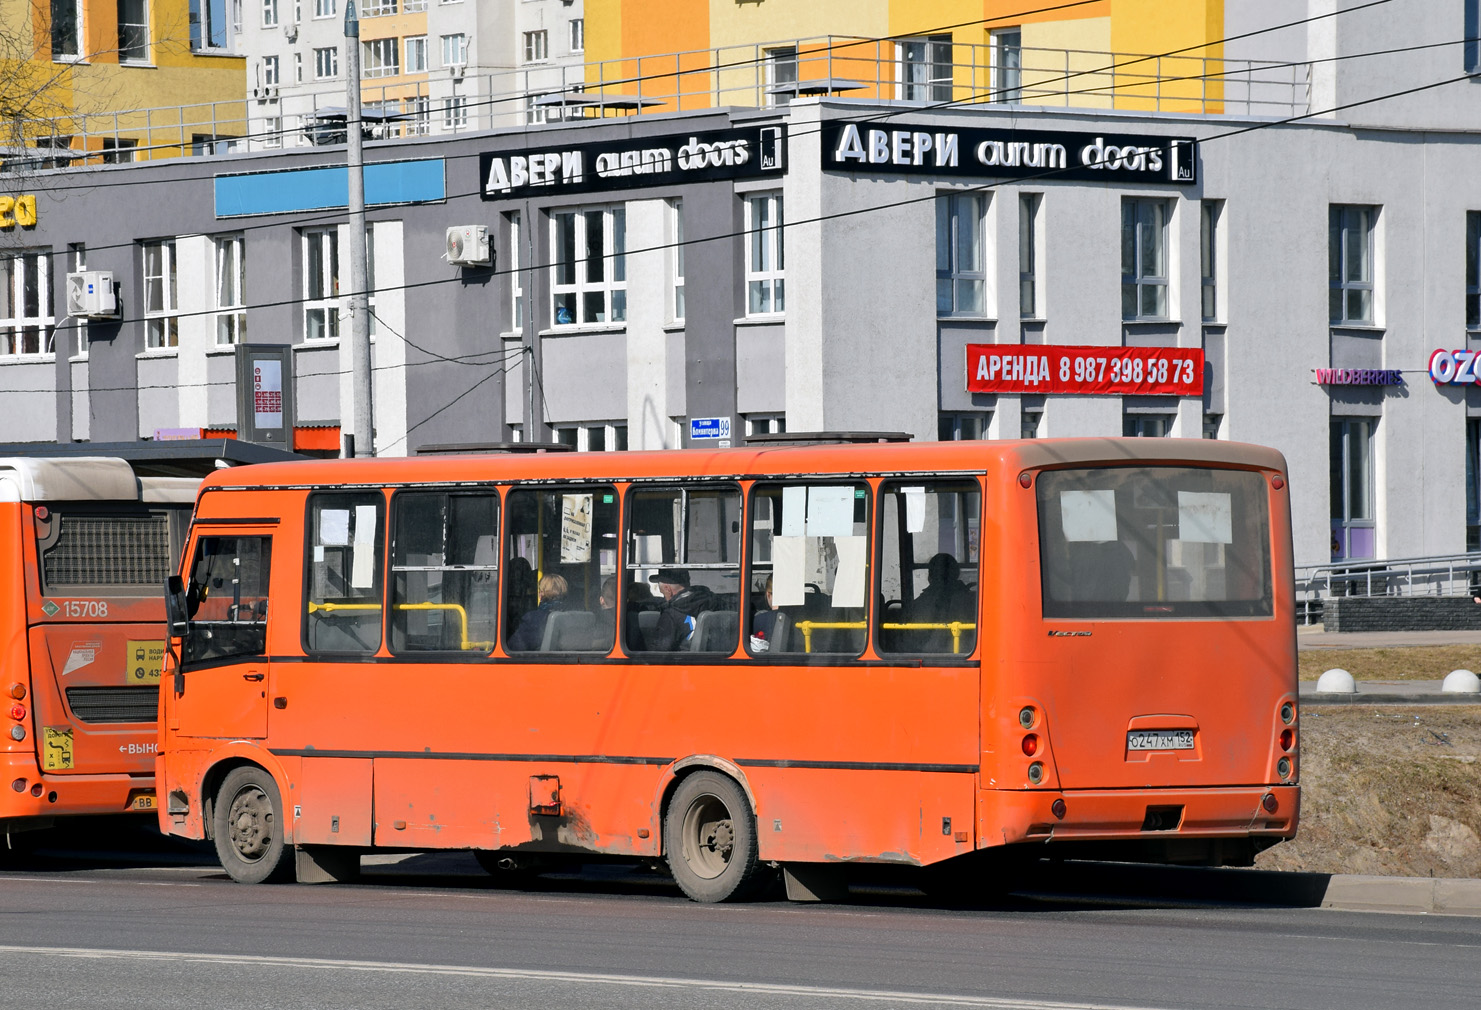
(1154, 542)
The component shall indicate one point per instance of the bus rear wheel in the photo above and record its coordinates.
(709, 835)
(248, 822)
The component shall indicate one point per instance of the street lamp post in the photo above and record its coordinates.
(362, 441)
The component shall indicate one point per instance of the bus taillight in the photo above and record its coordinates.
(1030, 745)
(1287, 739)
(1057, 808)
(17, 712)
(1269, 803)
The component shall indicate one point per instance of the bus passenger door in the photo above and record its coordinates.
(224, 654)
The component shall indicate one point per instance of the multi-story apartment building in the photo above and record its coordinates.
(102, 80)
(426, 66)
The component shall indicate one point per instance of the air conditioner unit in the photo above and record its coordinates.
(468, 245)
(290, 32)
(91, 295)
(457, 72)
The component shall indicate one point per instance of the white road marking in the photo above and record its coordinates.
(532, 975)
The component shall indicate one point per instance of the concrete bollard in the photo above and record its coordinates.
(1336, 681)
(1461, 682)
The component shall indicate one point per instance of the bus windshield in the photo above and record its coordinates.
(1152, 542)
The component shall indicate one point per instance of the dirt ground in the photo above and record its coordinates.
(1387, 789)
(1413, 662)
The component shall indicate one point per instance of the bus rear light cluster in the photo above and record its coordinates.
(19, 785)
(17, 712)
(1057, 808)
(36, 791)
(1283, 768)
(17, 732)
(1269, 802)
(1027, 716)
(1287, 739)
(17, 691)
(1030, 745)
(1288, 713)
(1036, 772)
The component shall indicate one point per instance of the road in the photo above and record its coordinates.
(168, 929)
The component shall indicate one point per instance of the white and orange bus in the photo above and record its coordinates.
(802, 656)
(84, 543)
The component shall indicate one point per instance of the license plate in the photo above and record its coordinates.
(143, 801)
(1159, 739)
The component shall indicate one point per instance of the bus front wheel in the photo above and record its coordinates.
(709, 835)
(249, 828)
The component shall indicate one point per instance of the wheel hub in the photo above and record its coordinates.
(250, 819)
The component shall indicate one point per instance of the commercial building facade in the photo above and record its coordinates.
(830, 263)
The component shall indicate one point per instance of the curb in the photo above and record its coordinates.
(1384, 698)
(1438, 896)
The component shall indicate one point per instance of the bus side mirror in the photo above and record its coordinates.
(176, 612)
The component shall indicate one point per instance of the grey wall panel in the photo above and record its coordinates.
(159, 405)
(761, 369)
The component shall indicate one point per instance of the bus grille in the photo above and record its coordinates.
(109, 551)
(114, 704)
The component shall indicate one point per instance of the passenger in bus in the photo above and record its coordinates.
(763, 623)
(683, 604)
(531, 630)
(945, 599)
(520, 590)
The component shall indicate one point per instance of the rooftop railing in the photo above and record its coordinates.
(930, 72)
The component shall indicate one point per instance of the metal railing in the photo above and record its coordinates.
(1439, 575)
(760, 75)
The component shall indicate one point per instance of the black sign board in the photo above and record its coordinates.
(632, 162)
(920, 149)
(265, 393)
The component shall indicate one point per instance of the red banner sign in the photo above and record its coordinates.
(1102, 371)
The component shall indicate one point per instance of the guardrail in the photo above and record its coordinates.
(930, 71)
(1438, 575)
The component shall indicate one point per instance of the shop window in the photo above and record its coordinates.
(765, 255)
(346, 547)
(25, 303)
(1354, 531)
(928, 559)
(809, 569)
(589, 272)
(1147, 425)
(961, 269)
(1350, 264)
(1473, 269)
(1473, 484)
(683, 546)
(1144, 259)
(594, 437)
(766, 424)
(1007, 65)
(561, 547)
(925, 68)
(161, 296)
(444, 572)
(962, 427)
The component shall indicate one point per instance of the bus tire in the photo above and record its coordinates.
(709, 837)
(249, 828)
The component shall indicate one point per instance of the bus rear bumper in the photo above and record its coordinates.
(29, 795)
(1009, 816)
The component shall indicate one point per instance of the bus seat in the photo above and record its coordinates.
(781, 633)
(714, 631)
(647, 621)
(569, 631)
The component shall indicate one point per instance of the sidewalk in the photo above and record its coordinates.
(1315, 638)
(1388, 692)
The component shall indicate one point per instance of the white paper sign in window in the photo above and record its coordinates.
(830, 511)
(848, 581)
(788, 583)
(334, 527)
(794, 510)
(915, 509)
(1088, 516)
(575, 528)
(1205, 517)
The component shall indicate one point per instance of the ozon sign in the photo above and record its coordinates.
(1453, 368)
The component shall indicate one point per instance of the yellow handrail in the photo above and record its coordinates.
(955, 627)
(462, 616)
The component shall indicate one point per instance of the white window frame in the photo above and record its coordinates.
(579, 436)
(161, 295)
(415, 51)
(413, 6)
(298, 68)
(1211, 260)
(203, 28)
(765, 254)
(928, 84)
(1007, 64)
(229, 288)
(320, 288)
(963, 425)
(766, 424)
(675, 215)
(269, 13)
(145, 53)
(419, 109)
(325, 9)
(272, 72)
(583, 293)
(1144, 269)
(1031, 256)
(373, 57)
(379, 8)
(326, 63)
(781, 68)
(272, 131)
(516, 275)
(455, 50)
(1343, 219)
(576, 34)
(79, 32)
(14, 327)
(455, 113)
(962, 289)
(537, 46)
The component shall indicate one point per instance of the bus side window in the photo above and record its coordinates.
(346, 546)
(809, 543)
(688, 538)
(228, 598)
(928, 567)
(444, 571)
(560, 545)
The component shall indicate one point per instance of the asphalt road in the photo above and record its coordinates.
(166, 929)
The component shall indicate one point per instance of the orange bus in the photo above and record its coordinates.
(84, 544)
(801, 656)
